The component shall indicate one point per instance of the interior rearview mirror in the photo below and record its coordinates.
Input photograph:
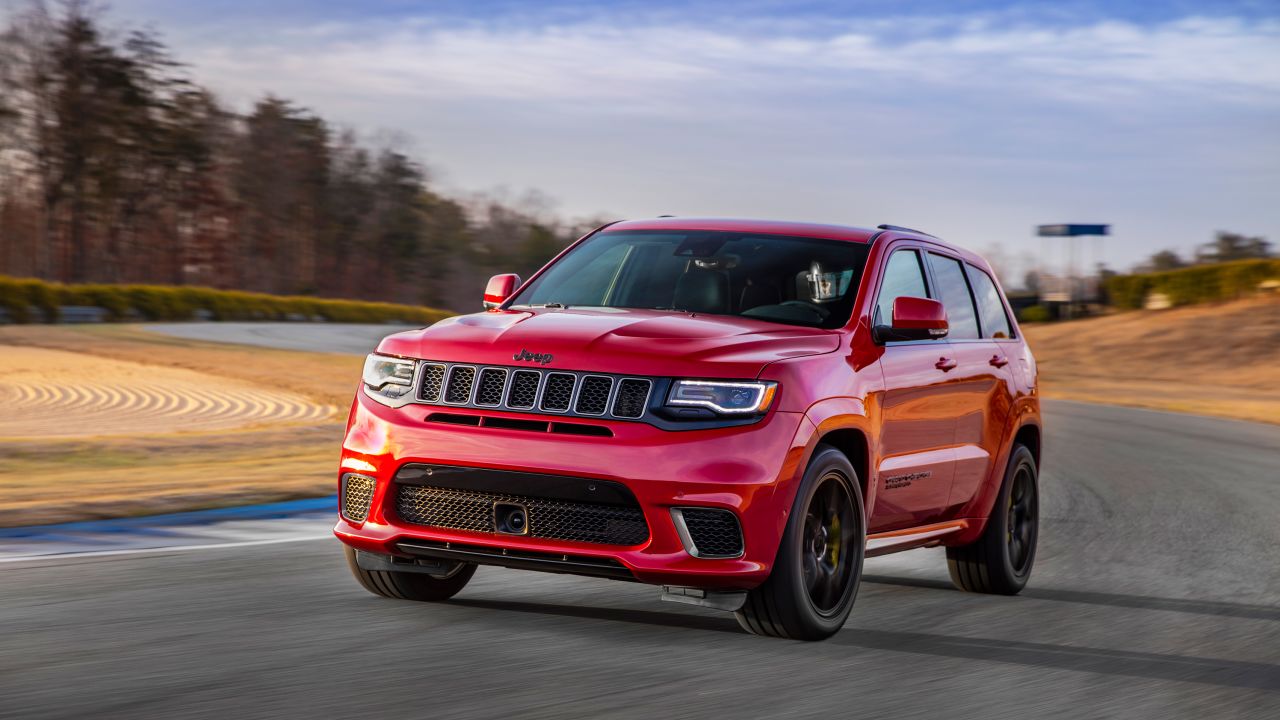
(914, 318)
(500, 288)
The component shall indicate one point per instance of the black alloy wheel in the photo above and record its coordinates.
(814, 581)
(1000, 560)
(829, 548)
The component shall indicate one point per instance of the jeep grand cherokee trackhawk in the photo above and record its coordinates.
(737, 411)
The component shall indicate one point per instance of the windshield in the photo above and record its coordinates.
(797, 281)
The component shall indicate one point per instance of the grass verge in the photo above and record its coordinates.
(1216, 359)
(103, 475)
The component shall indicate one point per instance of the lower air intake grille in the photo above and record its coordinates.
(715, 533)
(357, 493)
(551, 519)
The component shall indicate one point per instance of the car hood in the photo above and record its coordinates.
(613, 340)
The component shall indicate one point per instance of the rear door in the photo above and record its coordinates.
(918, 409)
(990, 361)
(979, 389)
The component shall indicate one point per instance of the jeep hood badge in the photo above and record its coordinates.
(526, 356)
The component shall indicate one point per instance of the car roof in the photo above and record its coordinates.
(764, 227)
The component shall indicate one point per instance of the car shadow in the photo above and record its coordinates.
(1153, 666)
(717, 623)
(1140, 602)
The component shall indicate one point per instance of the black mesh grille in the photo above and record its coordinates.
(714, 532)
(489, 392)
(551, 519)
(432, 382)
(558, 391)
(524, 389)
(632, 394)
(460, 380)
(357, 493)
(593, 396)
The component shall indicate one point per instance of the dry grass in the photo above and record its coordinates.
(115, 477)
(326, 378)
(115, 469)
(1206, 359)
(1214, 360)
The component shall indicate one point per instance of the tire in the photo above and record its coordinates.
(999, 562)
(814, 581)
(410, 585)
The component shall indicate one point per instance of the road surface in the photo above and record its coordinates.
(1156, 594)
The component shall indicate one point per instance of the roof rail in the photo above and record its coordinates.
(900, 228)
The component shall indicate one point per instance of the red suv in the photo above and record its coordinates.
(737, 411)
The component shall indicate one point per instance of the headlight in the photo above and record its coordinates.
(388, 377)
(728, 398)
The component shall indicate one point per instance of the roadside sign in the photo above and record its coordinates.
(1070, 230)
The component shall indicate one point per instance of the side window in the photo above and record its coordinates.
(955, 296)
(903, 277)
(995, 323)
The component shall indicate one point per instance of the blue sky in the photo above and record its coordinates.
(974, 120)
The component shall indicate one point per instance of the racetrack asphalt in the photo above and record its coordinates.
(1156, 594)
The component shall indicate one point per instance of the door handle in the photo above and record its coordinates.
(945, 363)
(999, 361)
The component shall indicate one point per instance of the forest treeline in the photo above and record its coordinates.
(117, 167)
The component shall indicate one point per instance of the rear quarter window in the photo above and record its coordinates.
(995, 322)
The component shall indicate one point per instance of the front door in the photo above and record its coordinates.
(919, 409)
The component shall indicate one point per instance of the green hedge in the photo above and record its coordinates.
(1034, 313)
(1188, 286)
(160, 302)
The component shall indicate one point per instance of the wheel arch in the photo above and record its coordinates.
(853, 443)
(843, 424)
(1029, 435)
(978, 510)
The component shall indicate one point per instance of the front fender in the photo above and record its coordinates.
(847, 415)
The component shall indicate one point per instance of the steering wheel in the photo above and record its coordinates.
(818, 310)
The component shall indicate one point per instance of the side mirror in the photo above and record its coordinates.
(914, 319)
(500, 288)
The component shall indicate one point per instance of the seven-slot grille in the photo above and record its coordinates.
(558, 392)
(473, 510)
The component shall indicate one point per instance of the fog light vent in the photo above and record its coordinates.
(357, 493)
(708, 532)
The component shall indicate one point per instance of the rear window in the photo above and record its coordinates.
(995, 323)
(953, 290)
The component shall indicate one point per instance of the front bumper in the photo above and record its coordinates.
(749, 470)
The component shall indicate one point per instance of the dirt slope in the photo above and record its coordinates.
(1219, 360)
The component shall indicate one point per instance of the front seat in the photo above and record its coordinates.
(759, 292)
(704, 291)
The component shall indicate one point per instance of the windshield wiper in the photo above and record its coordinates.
(553, 306)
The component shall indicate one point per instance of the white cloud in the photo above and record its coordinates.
(978, 128)
(1221, 57)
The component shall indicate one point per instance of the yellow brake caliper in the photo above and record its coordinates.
(835, 541)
